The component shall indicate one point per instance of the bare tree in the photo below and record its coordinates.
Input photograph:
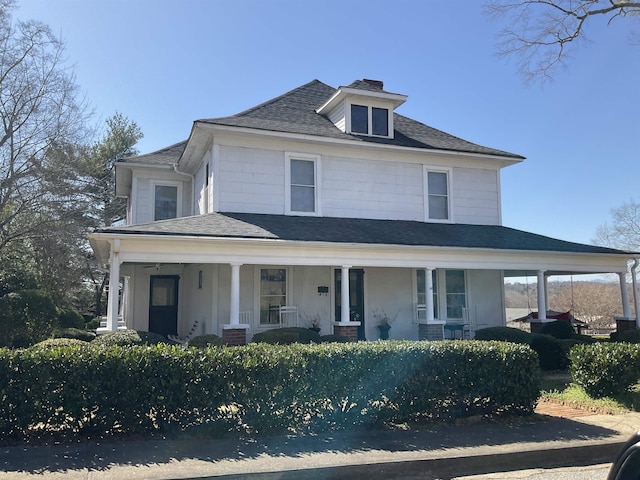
(539, 33)
(592, 302)
(40, 110)
(624, 230)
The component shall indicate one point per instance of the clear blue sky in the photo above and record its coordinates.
(166, 63)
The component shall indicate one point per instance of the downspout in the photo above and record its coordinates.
(635, 291)
(193, 185)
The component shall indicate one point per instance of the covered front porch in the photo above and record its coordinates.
(237, 274)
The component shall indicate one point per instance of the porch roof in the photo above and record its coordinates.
(358, 231)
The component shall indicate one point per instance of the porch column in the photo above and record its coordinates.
(235, 294)
(542, 300)
(345, 327)
(114, 283)
(235, 333)
(428, 298)
(626, 311)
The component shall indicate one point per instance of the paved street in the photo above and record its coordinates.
(591, 472)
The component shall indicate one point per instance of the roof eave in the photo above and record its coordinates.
(506, 160)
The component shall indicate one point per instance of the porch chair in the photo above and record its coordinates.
(288, 316)
(471, 318)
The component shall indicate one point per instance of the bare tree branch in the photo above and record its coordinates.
(539, 33)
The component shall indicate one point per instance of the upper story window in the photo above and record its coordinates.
(370, 120)
(166, 201)
(302, 184)
(437, 195)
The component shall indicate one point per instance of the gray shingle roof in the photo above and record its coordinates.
(294, 112)
(357, 231)
(165, 156)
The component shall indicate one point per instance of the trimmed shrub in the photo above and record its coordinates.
(26, 317)
(93, 324)
(287, 336)
(558, 329)
(76, 333)
(204, 341)
(70, 319)
(627, 336)
(83, 390)
(61, 342)
(550, 352)
(605, 369)
(503, 334)
(129, 338)
(334, 338)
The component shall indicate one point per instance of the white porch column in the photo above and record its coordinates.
(542, 301)
(235, 294)
(345, 306)
(626, 311)
(114, 283)
(428, 298)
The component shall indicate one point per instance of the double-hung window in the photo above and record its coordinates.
(302, 184)
(166, 201)
(273, 294)
(438, 205)
(370, 120)
(456, 293)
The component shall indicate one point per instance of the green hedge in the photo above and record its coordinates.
(287, 336)
(605, 369)
(627, 336)
(552, 348)
(88, 390)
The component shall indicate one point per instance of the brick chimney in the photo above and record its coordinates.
(374, 83)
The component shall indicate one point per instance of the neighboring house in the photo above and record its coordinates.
(322, 204)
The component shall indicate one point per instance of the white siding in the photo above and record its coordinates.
(485, 298)
(475, 196)
(142, 209)
(371, 189)
(337, 116)
(251, 180)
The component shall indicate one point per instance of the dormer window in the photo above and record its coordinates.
(363, 108)
(369, 120)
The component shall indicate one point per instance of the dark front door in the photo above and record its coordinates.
(356, 297)
(163, 304)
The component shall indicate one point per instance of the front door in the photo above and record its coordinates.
(163, 304)
(356, 297)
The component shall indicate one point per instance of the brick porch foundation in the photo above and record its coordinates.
(430, 331)
(234, 336)
(624, 324)
(349, 331)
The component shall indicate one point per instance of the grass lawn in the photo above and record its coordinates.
(557, 387)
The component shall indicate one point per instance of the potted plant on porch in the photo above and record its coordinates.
(312, 322)
(384, 322)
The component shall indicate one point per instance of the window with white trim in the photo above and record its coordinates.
(369, 120)
(166, 201)
(456, 293)
(302, 184)
(438, 205)
(273, 294)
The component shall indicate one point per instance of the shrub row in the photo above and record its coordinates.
(605, 369)
(552, 345)
(84, 389)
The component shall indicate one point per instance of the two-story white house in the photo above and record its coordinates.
(323, 204)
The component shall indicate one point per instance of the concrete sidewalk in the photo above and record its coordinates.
(442, 452)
